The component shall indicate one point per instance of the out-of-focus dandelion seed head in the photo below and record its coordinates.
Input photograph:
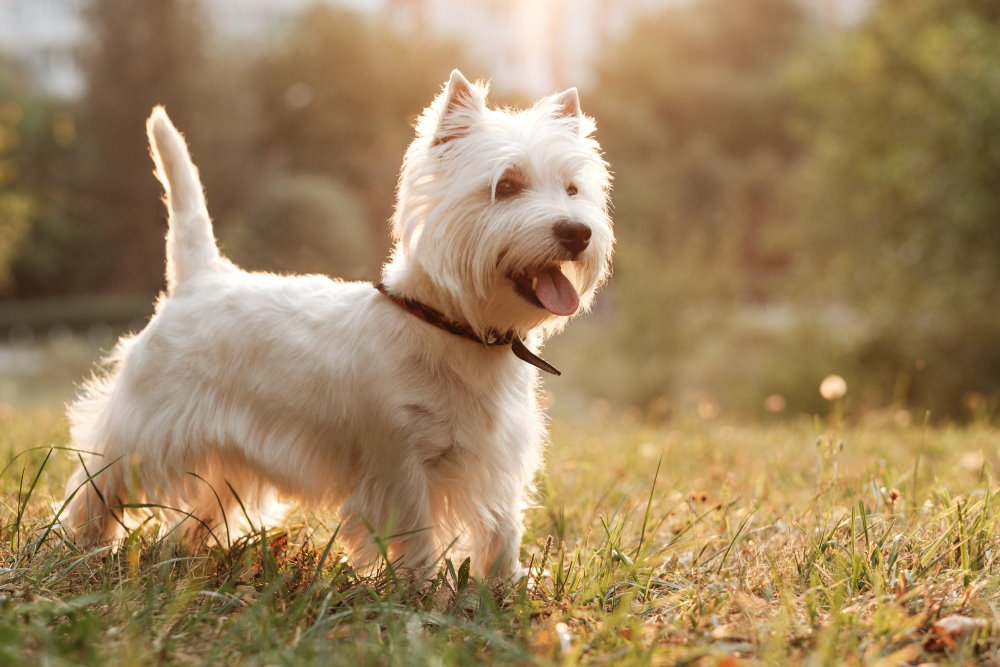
(833, 387)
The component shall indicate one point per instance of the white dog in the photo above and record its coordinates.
(410, 406)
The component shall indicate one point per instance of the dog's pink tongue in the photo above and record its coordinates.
(556, 292)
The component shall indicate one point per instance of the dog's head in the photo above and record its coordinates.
(502, 216)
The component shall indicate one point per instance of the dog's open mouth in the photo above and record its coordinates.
(548, 288)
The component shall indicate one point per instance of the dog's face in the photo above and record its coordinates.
(506, 212)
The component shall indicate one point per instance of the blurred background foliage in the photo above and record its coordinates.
(791, 200)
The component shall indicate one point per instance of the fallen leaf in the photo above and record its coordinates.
(730, 661)
(946, 632)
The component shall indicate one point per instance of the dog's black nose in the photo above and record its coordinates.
(573, 235)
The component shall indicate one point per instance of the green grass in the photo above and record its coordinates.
(699, 542)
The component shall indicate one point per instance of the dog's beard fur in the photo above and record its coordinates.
(249, 386)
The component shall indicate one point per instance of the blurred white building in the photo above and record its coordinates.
(535, 46)
(42, 36)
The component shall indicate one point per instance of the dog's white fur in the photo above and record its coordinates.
(245, 387)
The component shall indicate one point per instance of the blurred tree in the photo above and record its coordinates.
(905, 192)
(36, 148)
(139, 54)
(335, 100)
(15, 204)
(696, 115)
(847, 178)
(339, 98)
(15, 221)
(48, 259)
(303, 224)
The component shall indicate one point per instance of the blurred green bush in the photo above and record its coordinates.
(303, 224)
(15, 203)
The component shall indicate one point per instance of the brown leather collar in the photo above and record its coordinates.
(436, 318)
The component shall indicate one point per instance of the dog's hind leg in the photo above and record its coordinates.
(206, 512)
(224, 503)
(99, 487)
(95, 511)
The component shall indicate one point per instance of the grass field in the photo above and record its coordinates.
(805, 542)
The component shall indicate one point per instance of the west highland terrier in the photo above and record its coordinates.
(409, 407)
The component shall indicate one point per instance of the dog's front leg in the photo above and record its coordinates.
(500, 547)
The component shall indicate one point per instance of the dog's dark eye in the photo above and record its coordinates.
(508, 187)
(571, 190)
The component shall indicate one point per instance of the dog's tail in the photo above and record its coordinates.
(191, 245)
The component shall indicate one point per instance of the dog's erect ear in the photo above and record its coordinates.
(458, 103)
(568, 104)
